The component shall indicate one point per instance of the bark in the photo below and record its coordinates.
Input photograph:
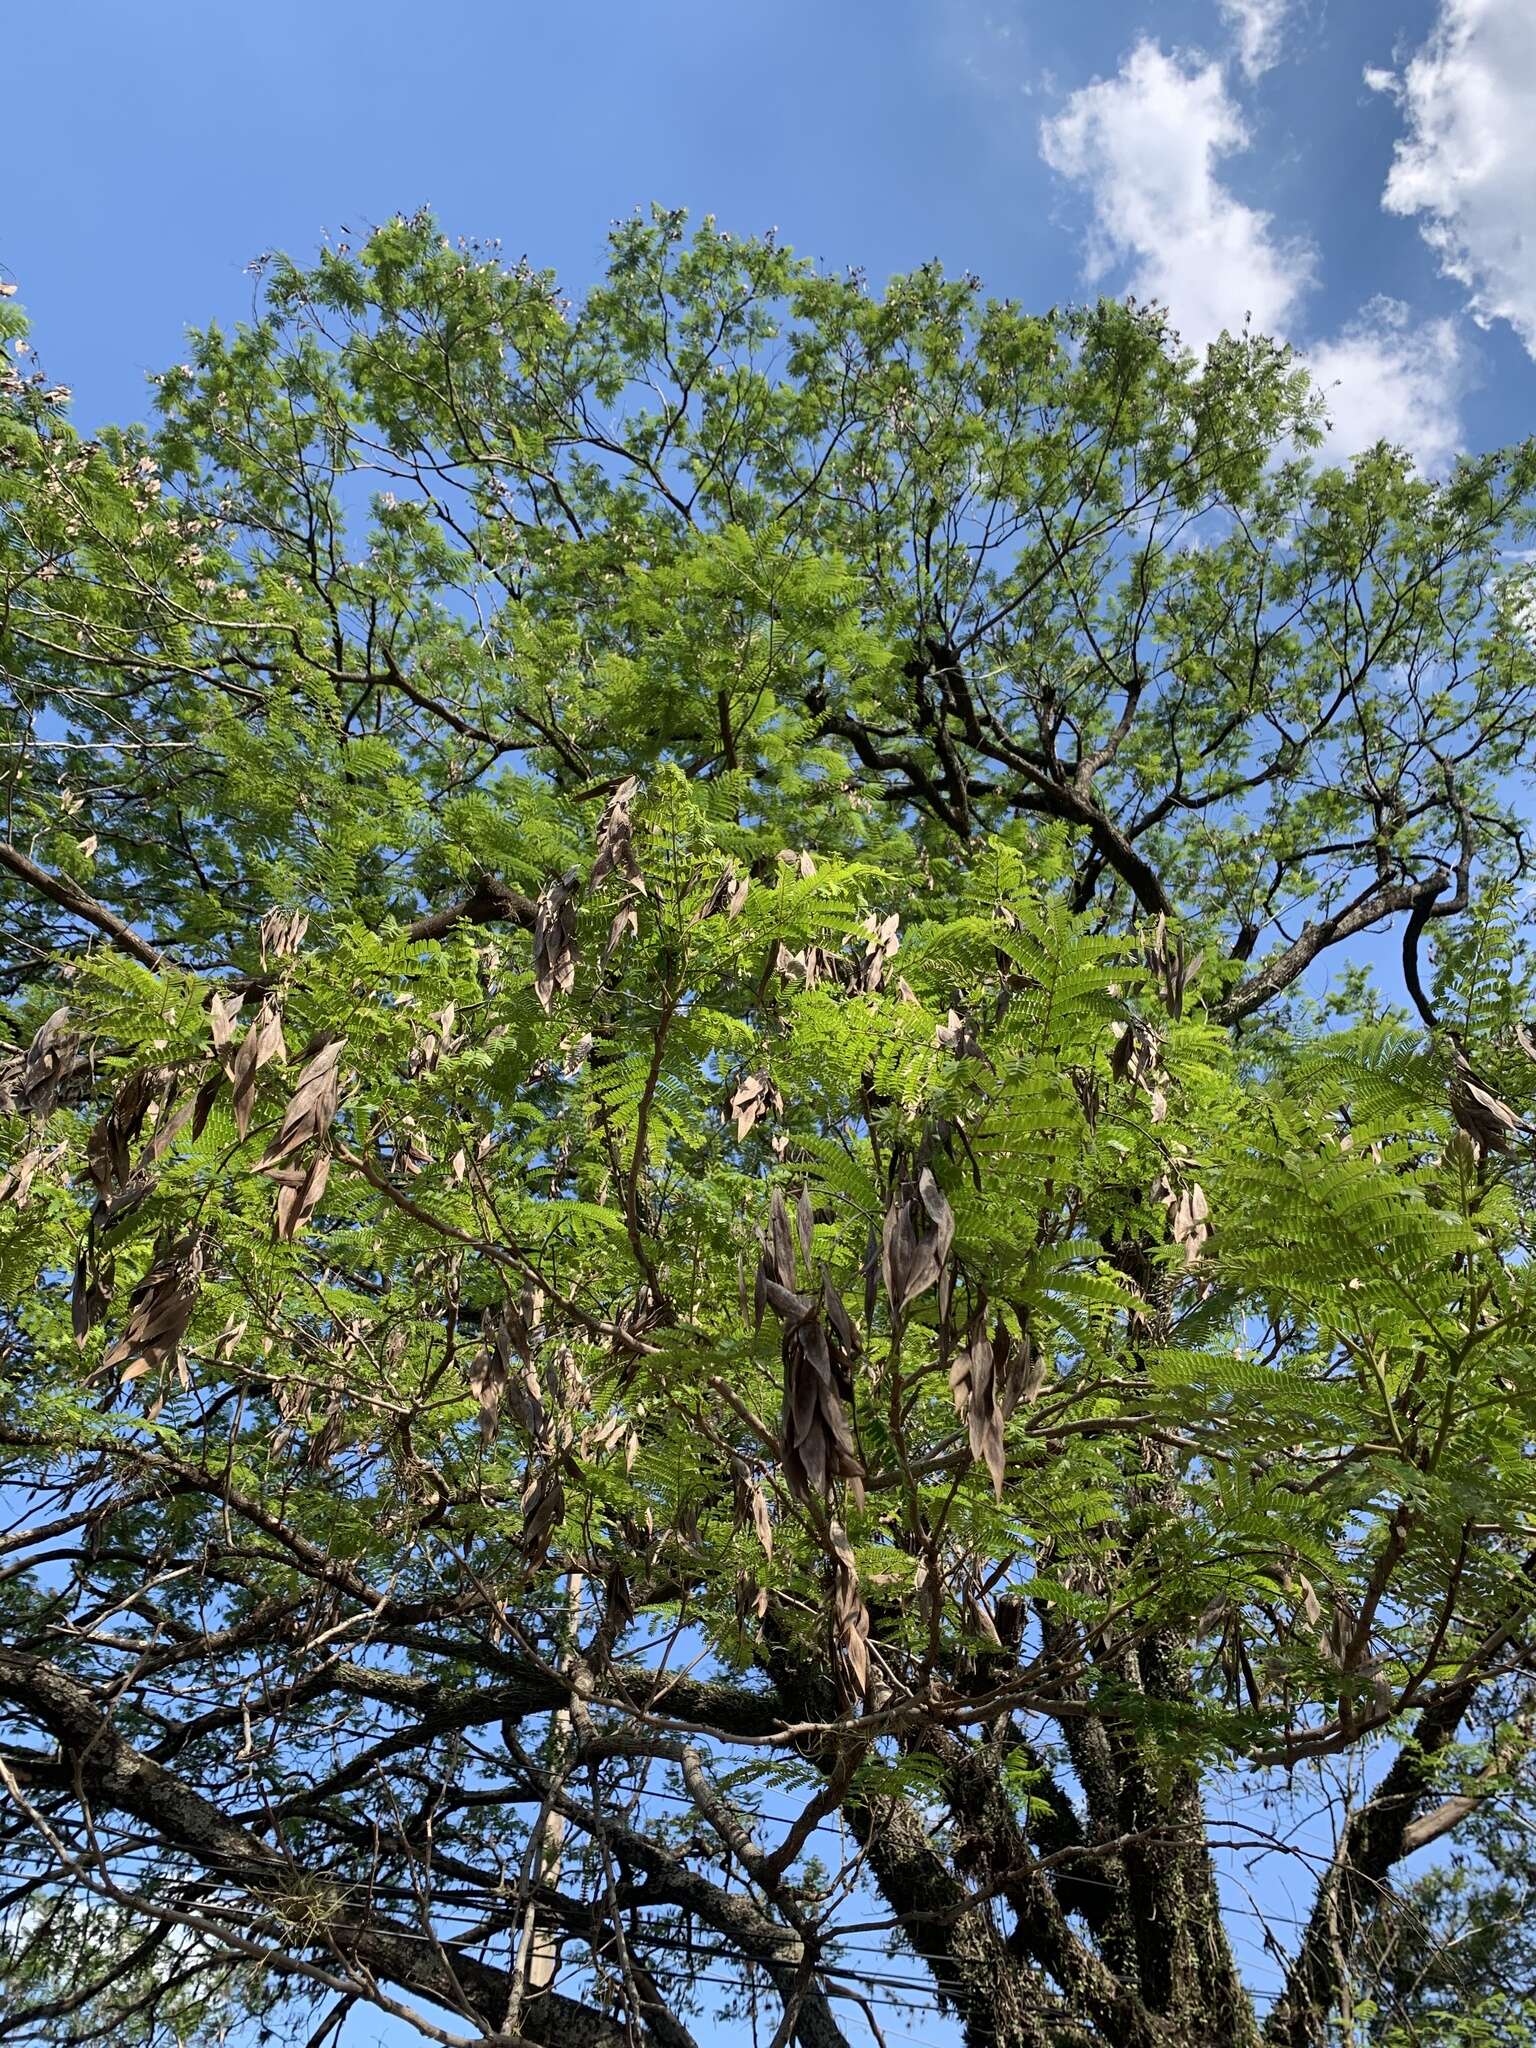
(1010, 1991)
(1285, 966)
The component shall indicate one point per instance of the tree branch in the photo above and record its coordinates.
(110, 1770)
(1380, 1834)
(1283, 967)
(70, 896)
(489, 902)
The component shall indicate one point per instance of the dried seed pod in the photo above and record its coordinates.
(160, 1307)
(914, 1246)
(107, 1147)
(298, 1194)
(194, 1111)
(487, 1380)
(1489, 1122)
(626, 922)
(801, 863)
(91, 1293)
(754, 1096)
(554, 940)
(1135, 1059)
(850, 1617)
(34, 1080)
(615, 840)
(955, 1036)
(281, 934)
(882, 943)
(1020, 1371)
(1188, 1213)
(726, 898)
(1169, 968)
(224, 1007)
(752, 1504)
(543, 1504)
(312, 1107)
(973, 1383)
(262, 1044)
(817, 1347)
(16, 1181)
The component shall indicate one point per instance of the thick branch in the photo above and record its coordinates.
(112, 1773)
(70, 896)
(1282, 968)
(1380, 1834)
(489, 902)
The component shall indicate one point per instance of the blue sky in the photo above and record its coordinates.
(1353, 172)
(1356, 173)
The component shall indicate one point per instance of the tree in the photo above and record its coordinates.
(689, 1279)
(1448, 1961)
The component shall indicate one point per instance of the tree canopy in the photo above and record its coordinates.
(708, 1302)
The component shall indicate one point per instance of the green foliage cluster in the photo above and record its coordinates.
(662, 1140)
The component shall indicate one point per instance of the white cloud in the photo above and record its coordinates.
(1146, 145)
(1386, 379)
(991, 48)
(1468, 162)
(1256, 28)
